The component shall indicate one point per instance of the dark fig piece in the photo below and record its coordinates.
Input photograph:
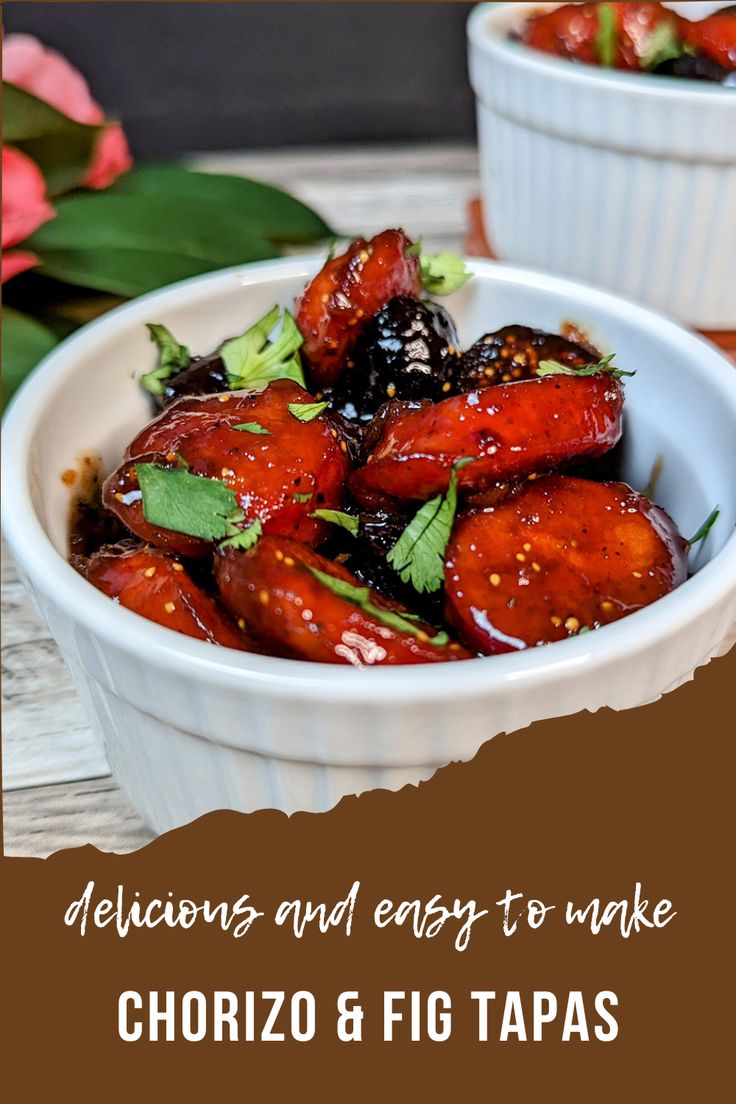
(408, 350)
(513, 353)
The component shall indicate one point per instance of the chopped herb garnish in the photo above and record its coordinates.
(302, 496)
(606, 38)
(307, 412)
(245, 538)
(361, 597)
(664, 45)
(253, 427)
(419, 553)
(254, 359)
(442, 273)
(172, 359)
(414, 250)
(554, 368)
(706, 527)
(175, 499)
(337, 517)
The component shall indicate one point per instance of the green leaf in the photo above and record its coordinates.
(361, 597)
(268, 211)
(62, 148)
(664, 44)
(442, 273)
(128, 245)
(307, 412)
(253, 427)
(605, 365)
(302, 496)
(172, 358)
(606, 38)
(419, 554)
(25, 341)
(253, 360)
(337, 517)
(175, 499)
(246, 538)
(706, 527)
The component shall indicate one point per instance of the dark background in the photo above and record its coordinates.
(203, 76)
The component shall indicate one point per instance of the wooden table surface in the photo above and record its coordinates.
(57, 789)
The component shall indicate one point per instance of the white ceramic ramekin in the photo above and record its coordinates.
(189, 727)
(626, 181)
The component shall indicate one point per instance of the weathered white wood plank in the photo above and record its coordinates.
(38, 822)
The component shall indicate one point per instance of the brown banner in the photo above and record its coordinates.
(564, 813)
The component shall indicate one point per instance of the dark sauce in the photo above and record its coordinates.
(90, 524)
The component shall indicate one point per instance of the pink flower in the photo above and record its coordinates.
(24, 208)
(47, 75)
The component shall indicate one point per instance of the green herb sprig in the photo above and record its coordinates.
(253, 427)
(172, 359)
(701, 533)
(418, 555)
(361, 597)
(254, 359)
(338, 517)
(245, 538)
(605, 365)
(606, 39)
(307, 412)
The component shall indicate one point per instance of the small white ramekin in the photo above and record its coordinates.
(622, 180)
(189, 727)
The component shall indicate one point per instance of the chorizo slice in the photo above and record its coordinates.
(296, 602)
(560, 556)
(510, 430)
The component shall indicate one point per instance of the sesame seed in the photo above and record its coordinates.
(535, 566)
(169, 607)
(573, 544)
(325, 298)
(572, 624)
(556, 621)
(527, 547)
(223, 398)
(241, 622)
(521, 557)
(288, 560)
(264, 597)
(149, 572)
(391, 390)
(495, 579)
(364, 256)
(446, 386)
(343, 447)
(636, 574)
(171, 457)
(607, 606)
(422, 636)
(279, 554)
(178, 566)
(120, 497)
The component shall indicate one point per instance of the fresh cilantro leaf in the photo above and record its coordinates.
(706, 527)
(606, 38)
(302, 496)
(246, 538)
(419, 554)
(307, 412)
(254, 359)
(253, 427)
(361, 597)
(554, 368)
(414, 250)
(172, 359)
(337, 517)
(442, 273)
(664, 45)
(175, 499)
